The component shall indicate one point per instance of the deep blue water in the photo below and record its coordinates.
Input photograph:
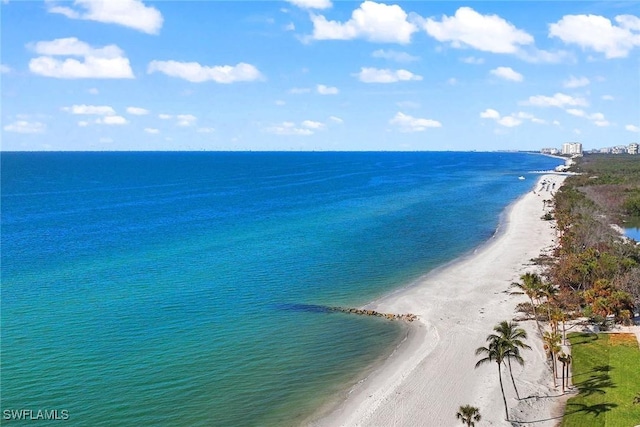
(633, 233)
(183, 288)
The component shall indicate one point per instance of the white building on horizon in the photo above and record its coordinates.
(551, 151)
(572, 148)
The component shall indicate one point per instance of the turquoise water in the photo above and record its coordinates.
(180, 288)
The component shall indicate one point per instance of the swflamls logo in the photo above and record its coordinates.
(34, 415)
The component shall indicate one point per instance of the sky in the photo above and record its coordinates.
(318, 75)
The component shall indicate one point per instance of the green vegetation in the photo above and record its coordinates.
(595, 272)
(606, 371)
(612, 182)
(468, 415)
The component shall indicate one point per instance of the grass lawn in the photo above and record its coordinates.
(606, 369)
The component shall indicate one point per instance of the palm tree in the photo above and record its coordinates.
(468, 415)
(495, 352)
(550, 292)
(568, 362)
(562, 358)
(511, 337)
(530, 286)
(552, 346)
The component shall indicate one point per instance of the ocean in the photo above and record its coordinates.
(187, 289)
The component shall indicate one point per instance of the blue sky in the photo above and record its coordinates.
(318, 75)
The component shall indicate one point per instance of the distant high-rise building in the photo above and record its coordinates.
(619, 149)
(633, 148)
(549, 151)
(572, 148)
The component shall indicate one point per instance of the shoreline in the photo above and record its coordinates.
(431, 373)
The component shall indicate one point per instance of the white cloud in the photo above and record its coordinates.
(576, 112)
(375, 22)
(629, 22)
(407, 123)
(512, 120)
(299, 90)
(205, 130)
(598, 33)
(310, 124)
(97, 63)
(607, 98)
(105, 140)
(557, 100)
(4, 69)
(375, 75)
(97, 110)
(196, 73)
(327, 90)
(394, 55)
(528, 116)
(93, 91)
(185, 120)
(490, 113)
(83, 123)
(137, 111)
(598, 119)
(305, 128)
(507, 73)
(452, 81)
(279, 102)
(468, 28)
(290, 27)
(311, 4)
(152, 130)
(509, 121)
(112, 120)
(164, 116)
(472, 60)
(289, 128)
(129, 13)
(575, 82)
(24, 126)
(632, 128)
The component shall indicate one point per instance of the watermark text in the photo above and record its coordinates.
(35, 414)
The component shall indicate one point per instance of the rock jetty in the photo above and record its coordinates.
(363, 312)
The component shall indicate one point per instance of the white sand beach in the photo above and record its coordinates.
(432, 372)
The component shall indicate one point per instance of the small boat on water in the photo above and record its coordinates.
(521, 177)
